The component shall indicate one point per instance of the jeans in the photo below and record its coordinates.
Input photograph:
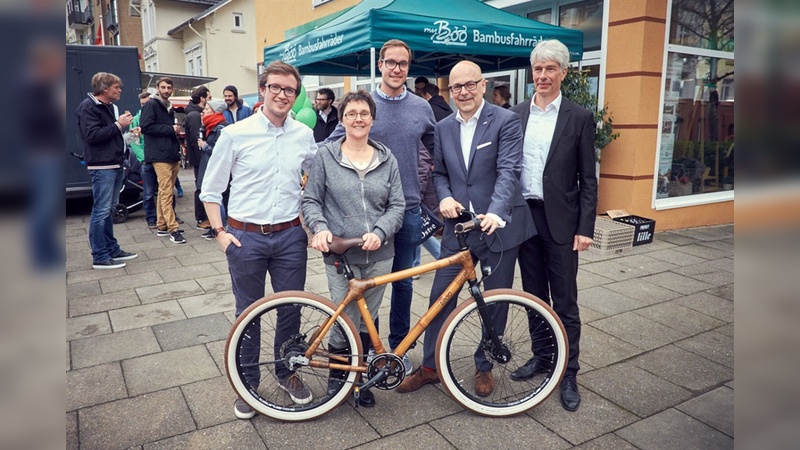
(432, 245)
(150, 184)
(106, 184)
(405, 245)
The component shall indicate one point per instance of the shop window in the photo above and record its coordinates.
(586, 16)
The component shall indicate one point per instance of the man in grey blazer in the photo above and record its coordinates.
(477, 158)
(560, 187)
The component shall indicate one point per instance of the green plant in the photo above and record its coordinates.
(576, 88)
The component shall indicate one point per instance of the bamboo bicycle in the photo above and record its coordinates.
(252, 338)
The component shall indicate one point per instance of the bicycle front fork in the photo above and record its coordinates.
(492, 343)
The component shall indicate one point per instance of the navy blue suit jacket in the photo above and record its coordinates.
(492, 182)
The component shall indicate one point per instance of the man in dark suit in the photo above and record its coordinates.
(477, 158)
(560, 186)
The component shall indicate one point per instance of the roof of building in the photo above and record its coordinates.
(217, 4)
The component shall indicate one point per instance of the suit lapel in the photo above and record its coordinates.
(484, 121)
(561, 125)
(526, 114)
(455, 129)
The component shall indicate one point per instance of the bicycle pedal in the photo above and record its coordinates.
(356, 395)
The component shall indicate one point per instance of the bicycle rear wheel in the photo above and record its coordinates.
(254, 355)
(461, 338)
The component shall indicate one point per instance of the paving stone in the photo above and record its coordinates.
(613, 270)
(675, 257)
(684, 368)
(713, 408)
(98, 303)
(126, 282)
(215, 283)
(589, 315)
(189, 272)
(202, 258)
(341, 428)
(170, 250)
(423, 436)
(468, 430)
(681, 318)
(676, 282)
(236, 434)
(86, 289)
(595, 417)
(588, 279)
(73, 443)
(727, 330)
(659, 432)
(638, 330)
(81, 276)
(206, 304)
(607, 442)
(86, 326)
(730, 385)
(217, 351)
(725, 292)
(646, 263)
(152, 265)
(717, 278)
(709, 304)
(703, 251)
(647, 293)
(113, 347)
(707, 233)
(190, 332)
(600, 349)
(718, 245)
(674, 238)
(94, 385)
(167, 291)
(608, 302)
(134, 421)
(168, 369)
(725, 264)
(634, 389)
(146, 315)
(211, 401)
(221, 266)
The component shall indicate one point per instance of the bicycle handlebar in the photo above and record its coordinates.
(465, 227)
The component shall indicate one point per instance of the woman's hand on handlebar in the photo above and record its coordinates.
(321, 240)
(371, 242)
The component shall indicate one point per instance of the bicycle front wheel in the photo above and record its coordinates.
(530, 326)
(271, 334)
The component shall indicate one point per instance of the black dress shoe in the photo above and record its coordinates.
(529, 369)
(570, 398)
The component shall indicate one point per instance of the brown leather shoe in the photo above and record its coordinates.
(484, 383)
(417, 379)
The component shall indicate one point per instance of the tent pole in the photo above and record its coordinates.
(372, 69)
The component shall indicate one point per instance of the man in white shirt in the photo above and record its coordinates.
(263, 156)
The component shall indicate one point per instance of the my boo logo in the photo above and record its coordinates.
(289, 53)
(443, 34)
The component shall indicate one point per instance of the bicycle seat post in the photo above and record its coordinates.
(343, 267)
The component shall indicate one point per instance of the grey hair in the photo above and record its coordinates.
(551, 50)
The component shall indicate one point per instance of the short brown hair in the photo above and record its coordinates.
(144, 95)
(104, 80)
(280, 68)
(358, 96)
(167, 80)
(504, 92)
(395, 43)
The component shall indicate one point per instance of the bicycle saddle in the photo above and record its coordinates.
(340, 245)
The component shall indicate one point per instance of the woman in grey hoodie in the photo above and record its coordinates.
(354, 190)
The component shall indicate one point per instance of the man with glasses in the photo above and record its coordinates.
(327, 114)
(263, 156)
(402, 122)
(477, 162)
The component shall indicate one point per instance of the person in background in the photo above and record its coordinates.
(213, 124)
(501, 95)
(354, 190)
(327, 114)
(237, 110)
(149, 180)
(438, 104)
(192, 124)
(101, 129)
(419, 84)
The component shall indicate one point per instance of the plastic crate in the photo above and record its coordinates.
(612, 237)
(644, 228)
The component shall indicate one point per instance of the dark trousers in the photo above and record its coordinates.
(549, 271)
(502, 277)
(284, 255)
(199, 209)
(406, 241)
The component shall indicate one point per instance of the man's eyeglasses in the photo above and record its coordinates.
(321, 99)
(470, 85)
(351, 115)
(392, 64)
(276, 89)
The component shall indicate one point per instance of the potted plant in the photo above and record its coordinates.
(576, 88)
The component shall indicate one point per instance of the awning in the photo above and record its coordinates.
(182, 82)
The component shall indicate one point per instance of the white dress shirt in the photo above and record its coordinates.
(265, 163)
(536, 146)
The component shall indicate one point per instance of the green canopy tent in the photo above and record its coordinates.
(440, 32)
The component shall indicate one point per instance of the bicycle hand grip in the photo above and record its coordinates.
(464, 227)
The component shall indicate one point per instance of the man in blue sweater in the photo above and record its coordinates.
(402, 121)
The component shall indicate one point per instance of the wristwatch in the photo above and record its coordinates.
(219, 230)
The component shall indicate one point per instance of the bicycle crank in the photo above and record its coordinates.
(392, 365)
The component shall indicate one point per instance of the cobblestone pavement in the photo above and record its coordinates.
(144, 347)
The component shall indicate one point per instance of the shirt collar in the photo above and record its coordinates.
(385, 96)
(97, 101)
(287, 124)
(474, 116)
(556, 104)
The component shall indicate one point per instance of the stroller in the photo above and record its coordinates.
(131, 196)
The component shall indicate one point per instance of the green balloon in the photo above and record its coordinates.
(308, 104)
(307, 116)
(299, 103)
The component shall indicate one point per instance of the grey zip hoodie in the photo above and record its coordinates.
(337, 199)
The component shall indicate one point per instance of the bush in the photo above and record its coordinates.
(575, 87)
